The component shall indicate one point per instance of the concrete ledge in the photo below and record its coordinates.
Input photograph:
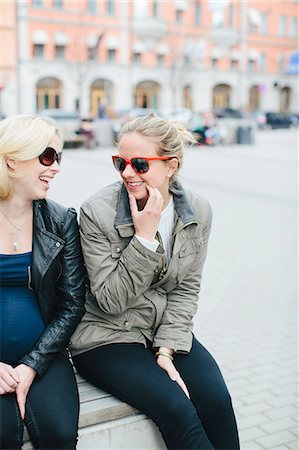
(107, 423)
(132, 433)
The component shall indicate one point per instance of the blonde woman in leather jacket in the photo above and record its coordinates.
(144, 242)
(42, 290)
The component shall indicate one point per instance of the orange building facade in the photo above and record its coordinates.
(8, 58)
(198, 54)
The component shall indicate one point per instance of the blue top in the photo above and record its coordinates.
(21, 322)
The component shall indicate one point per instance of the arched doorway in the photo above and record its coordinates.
(187, 97)
(254, 98)
(101, 97)
(285, 99)
(147, 95)
(221, 96)
(48, 94)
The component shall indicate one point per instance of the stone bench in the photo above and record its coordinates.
(108, 423)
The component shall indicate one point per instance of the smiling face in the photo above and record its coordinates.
(34, 179)
(135, 145)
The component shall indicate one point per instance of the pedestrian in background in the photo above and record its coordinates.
(101, 109)
(144, 242)
(42, 290)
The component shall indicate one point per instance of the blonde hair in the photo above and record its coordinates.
(170, 136)
(23, 137)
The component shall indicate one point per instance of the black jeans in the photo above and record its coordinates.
(130, 372)
(52, 411)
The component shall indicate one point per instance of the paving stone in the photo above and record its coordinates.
(286, 411)
(276, 402)
(286, 423)
(249, 421)
(255, 409)
(258, 397)
(250, 434)
(293, 445)
(281, 391)
(262, 386)
(251, 445)
(275, 439)
(290, 379)
(280, 447)
(294, 431)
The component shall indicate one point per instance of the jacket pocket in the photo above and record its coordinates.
(190, 246)
(188, 255)
(117, 249)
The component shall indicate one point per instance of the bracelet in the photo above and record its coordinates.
(168, 355)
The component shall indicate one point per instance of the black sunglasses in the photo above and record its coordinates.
(139, 164)
(49, 156)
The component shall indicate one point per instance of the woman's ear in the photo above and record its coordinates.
(11, 163)
(172, 166)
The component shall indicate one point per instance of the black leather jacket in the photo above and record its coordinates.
(58, 279)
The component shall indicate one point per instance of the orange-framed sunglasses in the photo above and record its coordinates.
(139, 164)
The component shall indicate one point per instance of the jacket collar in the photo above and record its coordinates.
(123, 219)
(46, 244)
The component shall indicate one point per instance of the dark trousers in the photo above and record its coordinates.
(52, 411)
(130, 372)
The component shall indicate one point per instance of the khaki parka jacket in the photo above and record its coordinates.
(134, 296)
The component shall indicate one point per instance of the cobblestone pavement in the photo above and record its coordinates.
(247, 313)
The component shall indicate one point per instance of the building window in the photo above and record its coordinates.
(264, 23)
(187, 60)
(48, 94)
(147, 94)
(59, 51)
(136, 58)
(254, 17)
(140, 8)
(263, 62)
(179, 16)
(37, 3)
(293, 27)
(252, 27)
(91, 53)
(218, 18)
(38, 51)
(155, 8)
(92, 6)
(234, 64)
(231, 16)
(111, 54)
(160, 60)
(251, 65)
(282, 64)
(214, 63)
(58, 4)
(110, 7)
(221, 96)
(197, 14)
(282, 26)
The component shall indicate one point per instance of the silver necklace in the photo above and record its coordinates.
(15, 244)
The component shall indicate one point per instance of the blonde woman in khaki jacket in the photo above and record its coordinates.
(144, 242)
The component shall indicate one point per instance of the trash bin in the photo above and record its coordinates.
(244, 135)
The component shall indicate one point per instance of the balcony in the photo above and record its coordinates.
(149, 27)
(226, 37)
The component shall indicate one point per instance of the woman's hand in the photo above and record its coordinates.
(147, 220)
(26, 376)
(165, 362)
(9, 379)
